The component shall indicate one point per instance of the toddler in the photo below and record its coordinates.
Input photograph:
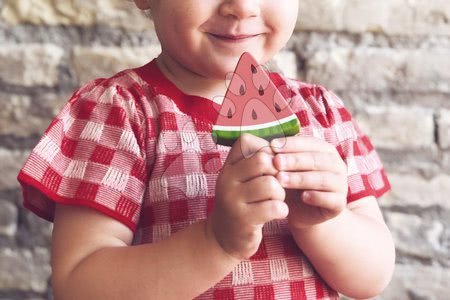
(146, 206)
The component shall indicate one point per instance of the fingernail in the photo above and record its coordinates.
(277, 143)
(306, 197)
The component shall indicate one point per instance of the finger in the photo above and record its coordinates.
(313, 180)
(310, 161)
(263, 188)
(333, 202)
(261, 163)
(300, 144)
(265, 211)
(245, 147)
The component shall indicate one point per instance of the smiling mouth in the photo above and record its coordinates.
(233, 38)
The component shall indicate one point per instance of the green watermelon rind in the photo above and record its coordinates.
(228, 137)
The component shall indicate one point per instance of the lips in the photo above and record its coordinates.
(236, 37)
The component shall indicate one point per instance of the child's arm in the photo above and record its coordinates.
(350, 246)
(353, 252)
(92, 259)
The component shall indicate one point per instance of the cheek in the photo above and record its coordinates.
(191, 13)
(286, 16)
(174, 30)
(287, 24)
(284, 30)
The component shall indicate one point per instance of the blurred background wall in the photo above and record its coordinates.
(389, 60)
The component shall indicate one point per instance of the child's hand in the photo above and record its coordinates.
(247, 196)
(315, 177)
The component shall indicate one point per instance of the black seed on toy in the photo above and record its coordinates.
(254, 70)
(277, 107)
(254, 115)
(242, 90)
(230, 113)
(261, 91)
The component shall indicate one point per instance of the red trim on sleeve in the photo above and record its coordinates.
(47, 212)
(371, 192)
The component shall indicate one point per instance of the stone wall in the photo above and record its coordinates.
(388, 59)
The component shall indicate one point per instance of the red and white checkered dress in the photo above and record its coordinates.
(139, 150)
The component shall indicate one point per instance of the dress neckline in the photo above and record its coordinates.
(196, 106)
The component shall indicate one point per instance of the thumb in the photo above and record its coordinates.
(245, 147)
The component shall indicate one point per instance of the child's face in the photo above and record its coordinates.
(208, 36)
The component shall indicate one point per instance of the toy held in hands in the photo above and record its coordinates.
(252, 104)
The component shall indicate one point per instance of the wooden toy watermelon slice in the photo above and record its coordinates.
(254, 105)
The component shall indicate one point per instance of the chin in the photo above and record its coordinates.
(221, 66)
(219, 70)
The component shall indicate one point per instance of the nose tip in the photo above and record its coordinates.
(240, 9)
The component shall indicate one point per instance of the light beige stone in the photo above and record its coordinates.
(24, 269)
(398, 127)
(98, 61)
(114, 13)
(443, 123)
(8, 218)
(407, 229)
(11, 161)
(13, 113)
(30, 64)
(381, 69)
(418, 282)
(320, 15)
(393, 17)
(50, 12)
(123, 14)
(22, 116)
(410, 190)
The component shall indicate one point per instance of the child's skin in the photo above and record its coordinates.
(349, 245)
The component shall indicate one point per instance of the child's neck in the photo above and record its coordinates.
(189, 82)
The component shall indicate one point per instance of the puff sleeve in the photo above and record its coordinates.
(92, 154)
(322, 114)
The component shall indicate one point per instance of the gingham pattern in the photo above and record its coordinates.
(139, 150)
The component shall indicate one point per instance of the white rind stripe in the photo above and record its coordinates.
(253, 127)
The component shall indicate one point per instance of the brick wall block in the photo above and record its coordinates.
(12, 161)
(418, 282)
(114, 13)
(409, 190)
(407, 229)
(398, 127)
(24, 116)
(109, 60)
(443, 125)
(394, 17)
(381, 69)
(30, 64)
(24, 269)
(8, 218)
